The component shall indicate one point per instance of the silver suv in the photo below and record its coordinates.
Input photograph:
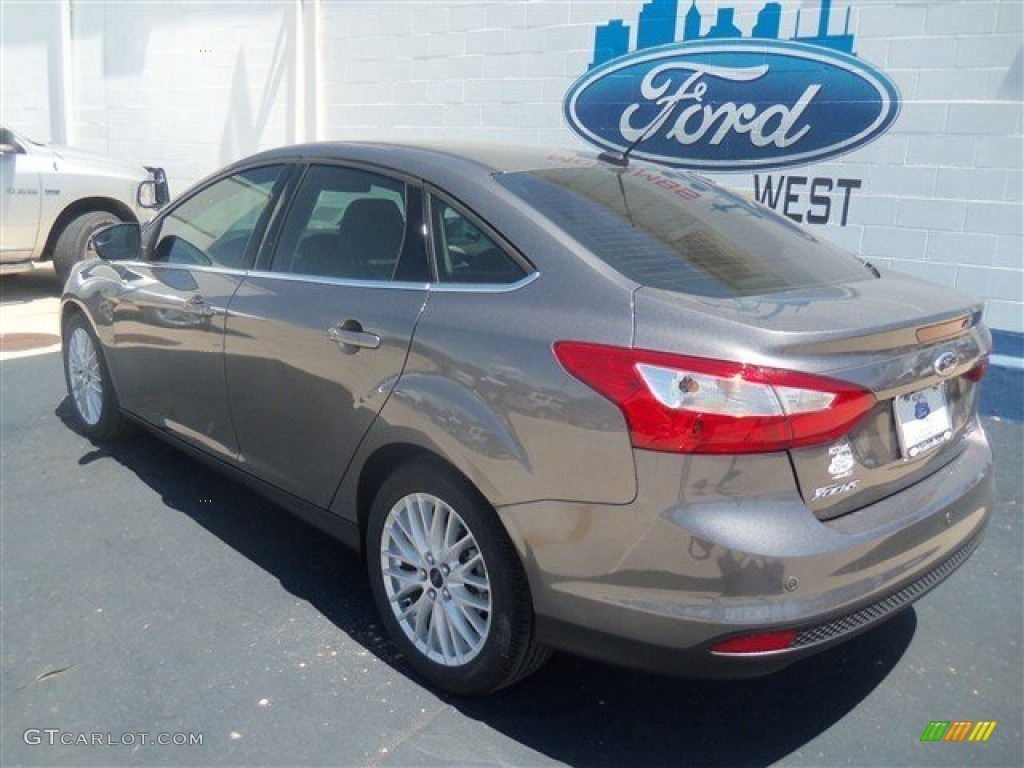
(54, 198)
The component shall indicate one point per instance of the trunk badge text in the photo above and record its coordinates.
(834, 489)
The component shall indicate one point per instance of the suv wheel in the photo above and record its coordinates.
(73, 242)
(448, 583)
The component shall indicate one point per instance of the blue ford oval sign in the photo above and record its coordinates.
(731, 105)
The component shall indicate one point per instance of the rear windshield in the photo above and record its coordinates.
(677, 232)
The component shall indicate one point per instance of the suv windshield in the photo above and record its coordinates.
(676, 232)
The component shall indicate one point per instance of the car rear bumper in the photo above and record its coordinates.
(655, 583)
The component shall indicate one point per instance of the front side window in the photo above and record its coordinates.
(215, 227)
(353, 224)
(465, 254)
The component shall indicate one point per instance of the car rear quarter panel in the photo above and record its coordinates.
(483, 389)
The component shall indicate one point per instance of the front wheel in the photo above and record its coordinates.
(93, 400)
(73, 244)
(448, 583)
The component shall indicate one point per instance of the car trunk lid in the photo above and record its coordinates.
(917, 347)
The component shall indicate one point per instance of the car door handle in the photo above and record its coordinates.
(197, 307)
(354, 337)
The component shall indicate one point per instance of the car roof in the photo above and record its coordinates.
(416, 157)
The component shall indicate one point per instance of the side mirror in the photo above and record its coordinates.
(118, 242)
(9, 149)
(154, 192)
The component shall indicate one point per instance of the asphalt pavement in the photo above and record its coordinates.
(146, 598)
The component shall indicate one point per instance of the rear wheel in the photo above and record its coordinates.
(93, 401)
(448, 583)
(72, 245)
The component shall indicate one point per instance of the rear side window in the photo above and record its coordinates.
(214, 227)
(353, 224)
(669, 231)
(464, 251)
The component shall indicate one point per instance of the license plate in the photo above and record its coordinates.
(922, 420)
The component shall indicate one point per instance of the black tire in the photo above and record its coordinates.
(94, 407)
(499, 655)
(72, 243)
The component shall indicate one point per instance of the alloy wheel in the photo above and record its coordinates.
(85, 377)
(435, 579)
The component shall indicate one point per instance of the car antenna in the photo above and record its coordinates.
(621, 159)
(625, 200)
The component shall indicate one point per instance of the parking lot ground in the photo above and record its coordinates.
(142, 593)
(29, 310)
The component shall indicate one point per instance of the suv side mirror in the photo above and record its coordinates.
(118, 242)
(9, 143)
(154, 192)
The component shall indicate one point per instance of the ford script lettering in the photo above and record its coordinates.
(728, 116)
(731, 105)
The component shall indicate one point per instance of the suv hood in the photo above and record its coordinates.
(71, 160)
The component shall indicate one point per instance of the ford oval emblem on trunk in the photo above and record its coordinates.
(732, 105)
(945, 363)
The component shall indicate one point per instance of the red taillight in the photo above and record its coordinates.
(761, 643)
(976, 372)
(695, 405)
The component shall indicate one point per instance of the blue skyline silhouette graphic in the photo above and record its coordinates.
(659, 19)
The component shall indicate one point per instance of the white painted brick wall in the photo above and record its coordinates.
(190, 89)
(26, 58)
(884, 243)
(941, 191)
(942, 198)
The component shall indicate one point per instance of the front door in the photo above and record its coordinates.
(19, 199)
(167, 343)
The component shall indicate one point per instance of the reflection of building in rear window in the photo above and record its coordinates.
(214, 226)
(232, 204)
(664, 230)
(331, 205)
(465, 254)
(344, 223)
(719, 258)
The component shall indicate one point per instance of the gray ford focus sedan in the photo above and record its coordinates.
(555, 400)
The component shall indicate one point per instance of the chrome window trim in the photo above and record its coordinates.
(151, 265)
(399, 285)
(434, 287)
(340, 281)
(485, 287)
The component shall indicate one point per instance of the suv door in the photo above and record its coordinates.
(20, 199)
(166, 351)
(316, 341)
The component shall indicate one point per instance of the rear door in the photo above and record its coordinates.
(168, 314)
(317, 338)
